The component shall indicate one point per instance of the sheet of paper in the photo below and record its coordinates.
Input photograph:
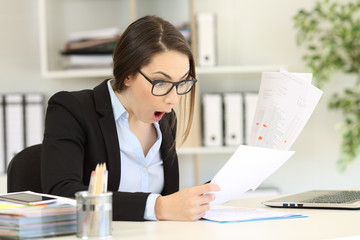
(238, 214)
(286, 102)
(246, 169)
(305, 107)
(7, 205)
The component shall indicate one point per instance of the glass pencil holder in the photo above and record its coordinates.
(94, 215)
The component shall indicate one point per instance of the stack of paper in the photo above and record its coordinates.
(285, 103)
(91, 49)
(21, 221)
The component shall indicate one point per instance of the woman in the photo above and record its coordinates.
(129, 123)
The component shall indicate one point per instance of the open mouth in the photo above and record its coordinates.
(157, 116)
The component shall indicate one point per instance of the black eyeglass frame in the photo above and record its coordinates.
(176, 84)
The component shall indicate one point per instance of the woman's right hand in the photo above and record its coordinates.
(189, 204)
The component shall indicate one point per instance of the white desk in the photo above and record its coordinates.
(320, 224)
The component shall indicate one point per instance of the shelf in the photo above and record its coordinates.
(81, 73)
(84, 73)
(238, 69)
(59, 18)
(206, 150)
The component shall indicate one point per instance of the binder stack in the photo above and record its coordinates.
(227, 117)
(22, 124)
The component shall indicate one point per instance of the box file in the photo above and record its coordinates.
(2, 137)
(233, 119)
(206, 39)
(14, 125)
(250, 99)
(34, 118)
(212, 119)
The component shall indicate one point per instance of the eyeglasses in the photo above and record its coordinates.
(161, 88)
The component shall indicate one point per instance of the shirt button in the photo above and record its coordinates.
(145, 169)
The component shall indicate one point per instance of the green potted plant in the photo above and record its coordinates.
(330, 32)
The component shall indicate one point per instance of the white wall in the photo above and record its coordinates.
(262, 32)
(250, 32)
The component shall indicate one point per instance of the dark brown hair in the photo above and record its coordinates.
(143, 39)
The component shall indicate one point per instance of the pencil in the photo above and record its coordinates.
(92, 182)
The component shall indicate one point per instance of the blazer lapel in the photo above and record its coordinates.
(107, 125)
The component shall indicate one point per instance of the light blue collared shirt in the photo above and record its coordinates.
(139, 173)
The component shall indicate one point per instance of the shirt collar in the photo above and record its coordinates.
(117, 106)
(119, 110)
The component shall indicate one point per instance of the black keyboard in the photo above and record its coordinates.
(338, 197)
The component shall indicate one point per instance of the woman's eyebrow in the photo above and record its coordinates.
(168, 76)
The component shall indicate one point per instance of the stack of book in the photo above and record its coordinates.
(23, 221)
(185, 30)
(90, 49)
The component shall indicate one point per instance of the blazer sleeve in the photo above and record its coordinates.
(62, 159)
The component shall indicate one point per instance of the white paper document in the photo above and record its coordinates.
(237, 214)
(245, 170)
(285, 103)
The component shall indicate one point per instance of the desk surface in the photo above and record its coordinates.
(320, 224)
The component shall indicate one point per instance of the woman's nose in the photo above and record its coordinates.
(172, 97)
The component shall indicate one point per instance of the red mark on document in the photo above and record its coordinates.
(257, 124)
(260, 137)
(264, 125)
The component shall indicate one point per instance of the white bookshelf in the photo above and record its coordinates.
(54, 27)
(206, 150)
(89, 73)
(238, 69)
(58, 18)
(81, 73)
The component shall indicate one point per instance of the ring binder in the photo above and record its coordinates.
(14, 125)
(206, 39)
(233, 119)
(212, 119)
(34, 118)
(2, 136)
(250, 99)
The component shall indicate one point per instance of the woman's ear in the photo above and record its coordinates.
(128, 80)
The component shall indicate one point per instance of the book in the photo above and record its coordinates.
(94, 34)
(90, 61)
(70, 46)
(101, 48)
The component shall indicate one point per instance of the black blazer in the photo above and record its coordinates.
(80, 132)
